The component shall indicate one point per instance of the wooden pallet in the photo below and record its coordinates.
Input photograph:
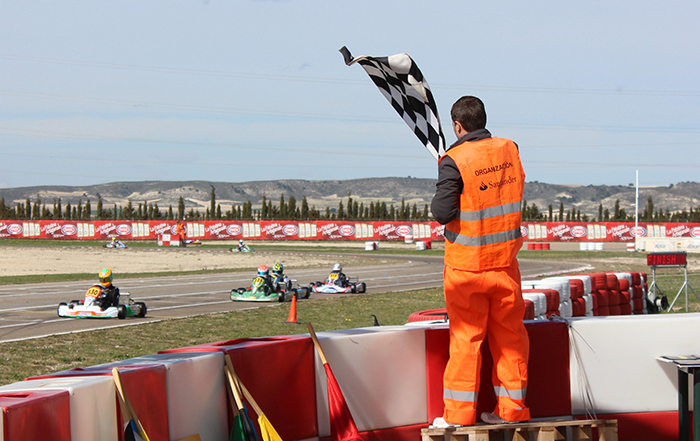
(574, 430)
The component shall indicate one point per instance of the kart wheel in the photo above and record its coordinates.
(121, 314)
(361, 287)
(281, 297)
(142, 309)
(303, 293)
(241, 290)
(59, 307)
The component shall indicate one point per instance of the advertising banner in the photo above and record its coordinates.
(331, 230)
(213, 230)
(605, 231)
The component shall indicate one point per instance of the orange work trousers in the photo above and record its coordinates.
(485, 304)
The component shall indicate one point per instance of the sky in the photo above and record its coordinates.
(253, 90)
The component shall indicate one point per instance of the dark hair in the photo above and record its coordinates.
(469, 111)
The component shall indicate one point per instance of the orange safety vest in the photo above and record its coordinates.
(486, 234)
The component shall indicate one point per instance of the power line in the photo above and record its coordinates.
(269, 77)
(318, 116)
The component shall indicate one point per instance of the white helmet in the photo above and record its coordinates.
(337, 267)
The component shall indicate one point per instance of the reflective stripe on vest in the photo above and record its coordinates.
(460, 395)
(487, 213)
(487, 239)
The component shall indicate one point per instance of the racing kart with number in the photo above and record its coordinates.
(259, 291)
(90, 306)
(333, 286)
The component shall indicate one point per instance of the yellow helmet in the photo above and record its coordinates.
(106, 277)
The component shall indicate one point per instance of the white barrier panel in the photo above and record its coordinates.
(618, 355)
(382, 373)
(93, 405)
(196, 392)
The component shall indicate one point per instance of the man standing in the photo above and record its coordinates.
(478, 199)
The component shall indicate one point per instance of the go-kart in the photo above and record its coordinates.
(244, 249)
(90, 306)
(116, 244)
(333, 286)
(258, 291)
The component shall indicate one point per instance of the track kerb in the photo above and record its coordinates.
(293, 311)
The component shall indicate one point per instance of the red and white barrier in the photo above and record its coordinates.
(272, 368)
(35, 415)
(617, 357)
(195, 395)
(92, 406)
(382, 373)
(142, 385)
(391, 378)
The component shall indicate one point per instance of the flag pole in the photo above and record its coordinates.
(316, 343)
(126, 404)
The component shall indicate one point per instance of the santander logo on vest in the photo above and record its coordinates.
(507, 181)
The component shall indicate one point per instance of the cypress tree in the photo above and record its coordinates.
(304, 213)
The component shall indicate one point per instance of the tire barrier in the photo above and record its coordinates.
(439, 314)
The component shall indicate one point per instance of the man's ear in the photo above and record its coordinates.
(458, 129)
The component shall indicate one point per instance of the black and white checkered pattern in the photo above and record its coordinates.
(402, 83)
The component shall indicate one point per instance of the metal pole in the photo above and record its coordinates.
(683, 407)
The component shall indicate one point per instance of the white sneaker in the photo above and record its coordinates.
(440, 423)
(492, 418)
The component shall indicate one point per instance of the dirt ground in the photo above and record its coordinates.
(21, 261)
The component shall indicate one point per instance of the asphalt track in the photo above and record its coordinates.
(29, 311)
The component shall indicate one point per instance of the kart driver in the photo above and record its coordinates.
(337, 277)
(280, 280)
(264, 272)
(103, 294)
(240, 246)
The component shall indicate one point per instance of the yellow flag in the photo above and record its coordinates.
(267, 432)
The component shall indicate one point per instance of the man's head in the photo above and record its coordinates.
(468, 114)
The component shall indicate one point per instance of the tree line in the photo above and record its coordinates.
(649, 214)
(289, 209)
(285, 209)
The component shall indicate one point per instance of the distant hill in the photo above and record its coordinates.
(321, 194)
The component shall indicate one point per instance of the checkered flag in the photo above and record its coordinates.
(402, 83)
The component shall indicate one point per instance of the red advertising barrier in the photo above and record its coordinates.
(331, 230)
(605, 231)
(212, 230)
